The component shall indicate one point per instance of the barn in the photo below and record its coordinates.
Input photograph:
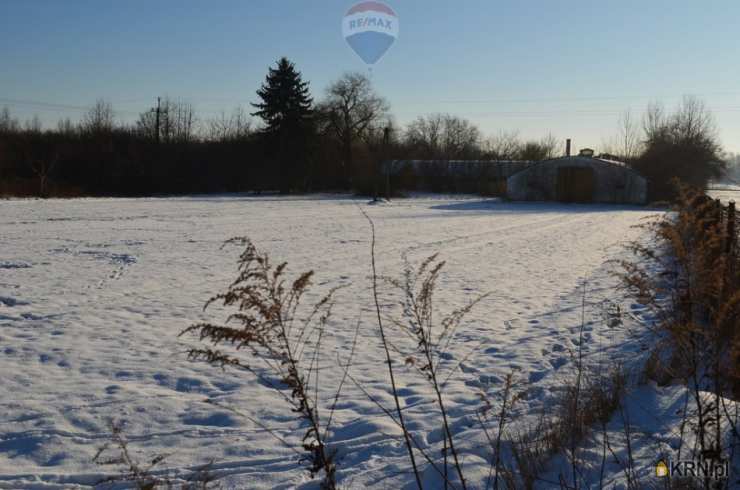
(581, 178)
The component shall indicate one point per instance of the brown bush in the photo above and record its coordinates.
(691, 285)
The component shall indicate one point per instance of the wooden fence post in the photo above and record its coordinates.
(718, 207)
(731, 235)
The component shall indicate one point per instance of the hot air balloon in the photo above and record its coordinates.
(370, 28)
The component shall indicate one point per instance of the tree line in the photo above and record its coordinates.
(298, 144)
(670, 147)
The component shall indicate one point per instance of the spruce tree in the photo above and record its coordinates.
(286, 109)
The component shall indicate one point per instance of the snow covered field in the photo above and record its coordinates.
(725, 192)
(93, 293)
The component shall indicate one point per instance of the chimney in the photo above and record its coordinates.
(567, 147)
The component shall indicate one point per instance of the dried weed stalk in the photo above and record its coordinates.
(144, 476)
(267, 329)
(431, 337)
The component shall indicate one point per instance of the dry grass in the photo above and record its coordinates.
(697, 276)
(268, 330)
(144, 475)
(695, 296)
(577, 412)
(431, 335)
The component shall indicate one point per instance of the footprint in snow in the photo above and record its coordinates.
(219, 419)
(535, 376)
(225, 385)
(6, 264)
(489, 379)
(484, 381)
(10, 302)
(533, 392)
(185, 384)
(558, 362)
(467, 369)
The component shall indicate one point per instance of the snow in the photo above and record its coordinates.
(724, 192)
(93, 294)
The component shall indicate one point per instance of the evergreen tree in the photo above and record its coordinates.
(286, 109)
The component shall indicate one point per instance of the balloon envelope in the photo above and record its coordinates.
(370, 28)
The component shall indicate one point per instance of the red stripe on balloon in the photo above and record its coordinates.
(376, 6)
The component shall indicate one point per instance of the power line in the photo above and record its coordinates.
(573, 99)
(59, 107)
(543, 113)
(552, 113)
(53, 106)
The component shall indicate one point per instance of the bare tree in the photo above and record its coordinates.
(535, 150)
(629, 137)
(146, 125)
(626, 145)
(693, 121)
(549, 144)
(40, 151)
(460, 138)
(8, 124)
(33, 125)
(443, 137)
(43, 167)
(66, 127)
(99, 119)
(424, 135)
(682, 145)
(177, 121)
(508, 146)
(351, 106)
(653, 120)
(235, 126)
(503, 146)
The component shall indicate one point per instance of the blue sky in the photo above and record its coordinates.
(566, 67)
